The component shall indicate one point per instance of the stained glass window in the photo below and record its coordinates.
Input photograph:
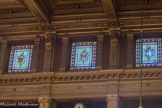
(149, 52)
(20, 58)
(83, 56)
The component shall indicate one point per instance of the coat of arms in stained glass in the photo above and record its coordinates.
(20, 58)
(148, 52)
(83, 56)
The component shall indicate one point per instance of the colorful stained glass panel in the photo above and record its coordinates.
(20, 58)
(148, 52)
(83, 56)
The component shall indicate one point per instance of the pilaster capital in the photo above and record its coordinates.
(100, 36)
(113, 23)
(65, 38)
(130, 35)
(114, 33)
(114, 42)
(44, 99)
(112, 98)
(50, 36)
(112, 101)
(4, 41)
(46, 102)
(50, 39)
(37, 40)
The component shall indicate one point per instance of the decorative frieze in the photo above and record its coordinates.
(64, 53)
(83, 76)
(50, 38)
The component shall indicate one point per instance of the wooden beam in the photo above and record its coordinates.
(109, 9)
(39, 11)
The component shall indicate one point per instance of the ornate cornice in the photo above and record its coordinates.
(92, 76)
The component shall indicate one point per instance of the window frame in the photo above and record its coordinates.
(12, 51)
(73, 52)
(139, 55)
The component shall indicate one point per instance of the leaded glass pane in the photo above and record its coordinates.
(148, 52)
(20, 58)
(83, 56)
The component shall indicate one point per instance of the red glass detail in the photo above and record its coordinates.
(94, 60)
(93, 63)
(137, 51)
(137, 44)
(137, 47)
(72, 61)
(159, 56)
(20, 60)
(159, 60)
(137, 54)
(94, 53)
(137, 57)
(137, 61)
(146, 40)
(159, 43)
(151, 40)
(94, 46)
(146, 65)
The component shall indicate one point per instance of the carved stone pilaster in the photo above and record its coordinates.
(112, 101)
(46, 102)
(50, 38)
(64, 53)
(129, 50)
(114, 35)
(99, 52)
(3, 56)
(35, 55)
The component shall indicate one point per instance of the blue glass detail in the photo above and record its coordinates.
(83, 56)
(150, 53)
